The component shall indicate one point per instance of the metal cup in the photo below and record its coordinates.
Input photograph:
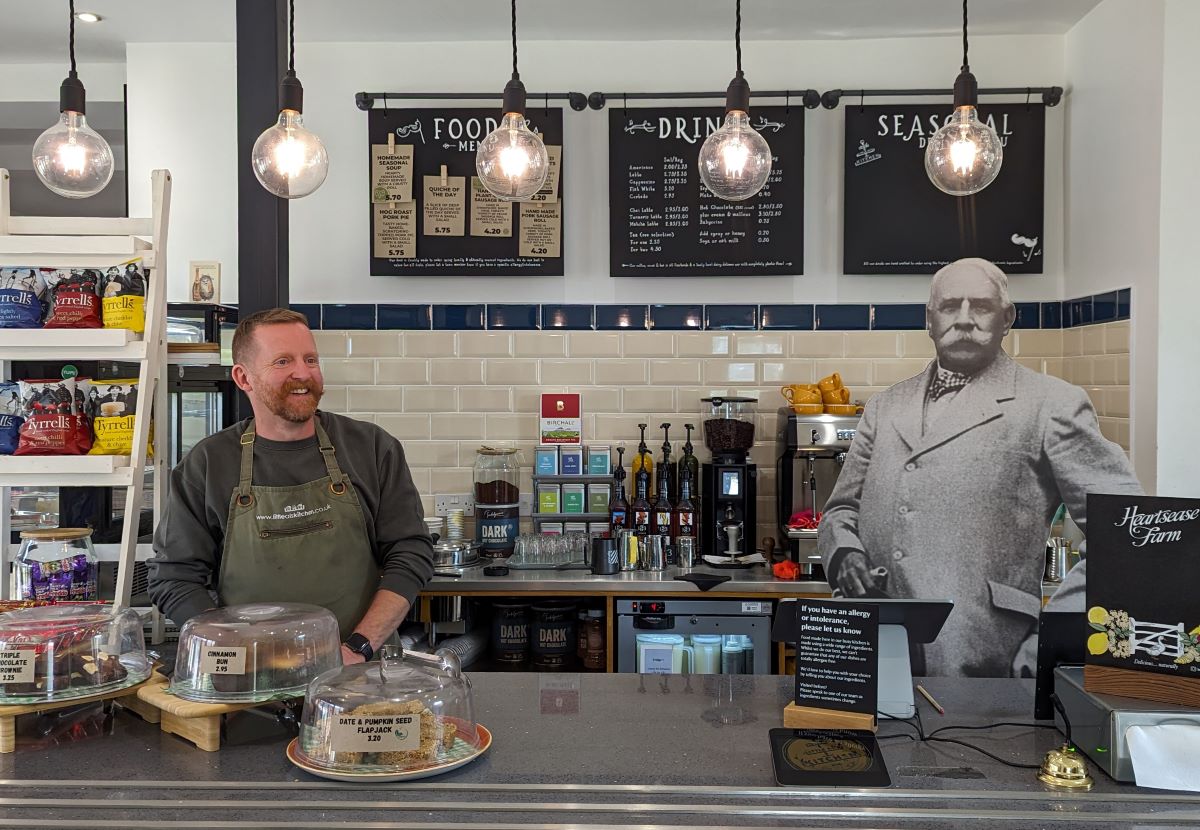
(685, 552)
(656, 553)
(627, 545)
(1057, 550)
(606, 557)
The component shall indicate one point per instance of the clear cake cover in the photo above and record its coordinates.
(57, 652)
(254, 652)
(406, 711)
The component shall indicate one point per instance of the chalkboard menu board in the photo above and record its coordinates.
(1143, 566)
(430, 216)
(663, 222)
(897, 222)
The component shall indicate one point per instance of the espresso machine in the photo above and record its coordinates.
(729, 483)
(812, 451)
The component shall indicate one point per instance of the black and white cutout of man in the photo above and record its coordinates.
(955, 475)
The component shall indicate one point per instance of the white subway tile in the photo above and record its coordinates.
(593, 399)
(1033, 364)
(726, 371)
(916, 344)
(1079, 370)
(421, 482)
(889, 372)
(1055, 366)
(429, 399)
(680, 370)
(853, 372)
(567, 371)
(1092, 339)
(508, 426)
(1116, 337)
(1072, 343)
(512, 372)
(331, 343)
(702, 344)
(485, 344)
(1097, 397)
(348, 372)
(334, 399)
(432, 454)
(621, 372)
(594, 344)
(1104, 370)
(455, 371)
(528, 399)
(376, 399)
(818, 344)
(451, 480)
(454, 425)
(1122, 369)
(374, 343)
(539, 344)
(430, 344)
(647, 344)
(787, 371)
(759, 344)
(620, 429)
(402, 372)
(1039, 343)
(1117, 401)
(872, 343)
(1110, 429)
(406, 427)
(648, 399)
(486, 399)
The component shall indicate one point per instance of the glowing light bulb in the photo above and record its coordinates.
(964, 156)
(288, 159)
(512, 161)
(72, 159)
(735, 160)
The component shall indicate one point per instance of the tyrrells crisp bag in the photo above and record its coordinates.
(10, 417)
(74, 298)
(21, 293)
(123, 297)
(115, 412)
(51, 426)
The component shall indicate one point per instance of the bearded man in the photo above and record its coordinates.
(294, 504)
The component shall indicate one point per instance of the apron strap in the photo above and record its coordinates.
(336, 477)
(246, 475)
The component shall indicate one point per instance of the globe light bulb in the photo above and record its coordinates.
(289, 160)
(735, 160)
(72, 159)
(964, 155)
(511, 160)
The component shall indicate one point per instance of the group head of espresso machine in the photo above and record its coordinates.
(812, 450)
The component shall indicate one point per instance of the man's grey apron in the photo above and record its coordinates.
(306, 543)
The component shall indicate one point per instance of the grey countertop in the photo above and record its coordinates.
(585, 751)
(753, 580)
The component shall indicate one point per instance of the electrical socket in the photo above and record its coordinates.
(443, 504)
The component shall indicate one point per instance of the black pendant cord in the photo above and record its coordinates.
(292, 36)
(966, 67)
(737, 35)
(516, 75)
(291, 91)
(71, 41)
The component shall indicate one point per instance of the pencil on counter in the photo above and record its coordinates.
(929, 697)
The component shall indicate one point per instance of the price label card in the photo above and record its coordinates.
(391, 173)
(16, 665)
(223, 660)
(489, 216)
(396, 230)
(445, 206)
(656, 660)
(541, 229)
(375, 733)
(549, 191)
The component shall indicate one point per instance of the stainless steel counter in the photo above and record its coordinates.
(588, 752)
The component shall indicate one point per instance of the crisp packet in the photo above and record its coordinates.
(123, 297)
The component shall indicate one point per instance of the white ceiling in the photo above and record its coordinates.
(35, 30)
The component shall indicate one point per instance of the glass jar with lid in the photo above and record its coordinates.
(254, 652)
(407, 712)
(56, 564)
(58, 652)
(497, 499)
(728, 426)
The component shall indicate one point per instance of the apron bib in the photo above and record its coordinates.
(305, 543)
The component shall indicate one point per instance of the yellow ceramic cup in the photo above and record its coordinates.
(830, 383)
(799, 393)
(835, 396)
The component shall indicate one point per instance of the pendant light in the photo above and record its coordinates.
(511, 160)
(735, 160)
(289, 160)
(71, 158)
(965, 154)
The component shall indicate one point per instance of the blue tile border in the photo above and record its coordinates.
(1080, 311)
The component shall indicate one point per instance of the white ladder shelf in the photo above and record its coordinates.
(93, 242)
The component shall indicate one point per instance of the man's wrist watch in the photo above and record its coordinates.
(360, 645)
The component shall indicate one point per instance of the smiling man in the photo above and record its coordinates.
(951, 483)
(294, 504)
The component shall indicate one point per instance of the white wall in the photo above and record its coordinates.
(1178, 286)
(40, 81)
(183, 117)
(1113, 129)
(329, 230)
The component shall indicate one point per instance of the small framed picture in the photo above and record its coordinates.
(205, 281)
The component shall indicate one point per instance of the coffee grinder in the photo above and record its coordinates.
(728, 515)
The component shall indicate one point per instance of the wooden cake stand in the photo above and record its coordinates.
(197, 723)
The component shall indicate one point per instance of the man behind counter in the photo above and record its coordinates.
(294, 504)
(951, 482)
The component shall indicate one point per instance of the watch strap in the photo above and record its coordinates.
(360, 645)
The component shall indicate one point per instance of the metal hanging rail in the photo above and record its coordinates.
(1051, 95)
(811, 98)
(366, 100)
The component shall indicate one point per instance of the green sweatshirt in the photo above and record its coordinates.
(190, 534)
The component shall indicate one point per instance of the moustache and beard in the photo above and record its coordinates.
(292, 407)
(966, 352)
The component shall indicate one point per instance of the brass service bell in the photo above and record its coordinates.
(1064, 769)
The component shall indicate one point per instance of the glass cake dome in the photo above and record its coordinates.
(408, 711)
(57, 652)
(256, 652)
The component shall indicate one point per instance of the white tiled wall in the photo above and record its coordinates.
(444, 393)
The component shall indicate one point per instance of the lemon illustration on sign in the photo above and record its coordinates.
(1099, 616)
(1195, 631)
(1097, 643)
